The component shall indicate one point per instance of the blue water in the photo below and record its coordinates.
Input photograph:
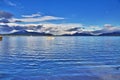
(59, 58)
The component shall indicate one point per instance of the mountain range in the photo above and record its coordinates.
(37, 31)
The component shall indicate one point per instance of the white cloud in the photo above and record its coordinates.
(110, 28)
(107, 25)
(31, 16)
(59, 29)
(38, 19)
(92, 28)
(45, 18)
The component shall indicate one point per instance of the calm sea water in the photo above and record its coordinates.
(60, 58)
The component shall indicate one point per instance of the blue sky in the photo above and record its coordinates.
(88, 12)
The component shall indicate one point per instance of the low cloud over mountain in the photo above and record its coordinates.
(36, 24)
(57, 29)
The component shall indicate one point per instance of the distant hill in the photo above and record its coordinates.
(24, 32)
(41, 31)
(110, 34)
(78, 34)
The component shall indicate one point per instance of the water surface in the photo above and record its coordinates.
(59, 58)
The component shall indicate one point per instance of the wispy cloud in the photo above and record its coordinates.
(10, 3)
(38, 19)
(27, 18)
(31, 16)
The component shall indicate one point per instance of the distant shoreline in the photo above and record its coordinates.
(63, 35)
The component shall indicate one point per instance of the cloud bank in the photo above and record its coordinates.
(38, 23)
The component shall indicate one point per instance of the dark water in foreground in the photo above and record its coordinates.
(60, 58)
